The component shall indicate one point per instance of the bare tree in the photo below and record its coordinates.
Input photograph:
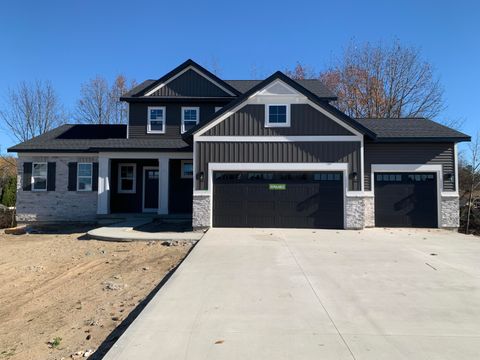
(470, 179)
(100, 104)
(119, 109)
(301, 72)
(94, 106)
(31, 109)
(378, 81)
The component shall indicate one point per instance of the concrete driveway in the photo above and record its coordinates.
(303, 294)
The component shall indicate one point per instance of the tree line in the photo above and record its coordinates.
(33, 108)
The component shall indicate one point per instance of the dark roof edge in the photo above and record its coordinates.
(97, 150)
(145, 99)
(413, 139)
(183, 66)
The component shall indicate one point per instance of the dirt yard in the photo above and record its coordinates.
(62, 295)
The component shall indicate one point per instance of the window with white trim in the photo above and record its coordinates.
(84, 176)
(190, 118)
(127, 178)
(39, 176)
(187, 169)
(277, 115)
(156, 120)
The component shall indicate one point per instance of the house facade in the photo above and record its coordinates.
(243, 153)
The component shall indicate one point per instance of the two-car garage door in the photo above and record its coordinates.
(278, 199)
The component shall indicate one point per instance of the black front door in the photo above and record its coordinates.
(278, 199)
(150, 191)
(180, 187)
(406, 200)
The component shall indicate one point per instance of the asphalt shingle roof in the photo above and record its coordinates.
(315, 86)
(411, 128)
(55, 141)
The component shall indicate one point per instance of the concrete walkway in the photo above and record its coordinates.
(125, 231)
(302, 294)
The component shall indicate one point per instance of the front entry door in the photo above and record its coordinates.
(150, 189)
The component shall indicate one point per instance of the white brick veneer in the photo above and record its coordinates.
(58, 205)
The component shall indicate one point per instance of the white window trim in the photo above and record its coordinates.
(183, 115)
(149, 128)
(182, 174)
(32, 177)
(119, 186)
(267, 116)
(91, 176)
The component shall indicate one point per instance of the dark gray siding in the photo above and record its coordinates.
(273, 152)
(138, 118)
(250, 121)
(190, 83)
(425, 153)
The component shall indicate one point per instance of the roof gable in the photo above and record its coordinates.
(279, 87)
(189, 79)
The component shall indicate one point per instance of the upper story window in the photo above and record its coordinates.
(190, 117)
(277, 115)
(39, 176)
(156, 120)
(217, 108)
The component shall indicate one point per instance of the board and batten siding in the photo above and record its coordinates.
(278, 152)
(191, 84)
(304, 120)
(411, 153)
(138, 118)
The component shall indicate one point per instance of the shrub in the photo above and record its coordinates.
(9, 192)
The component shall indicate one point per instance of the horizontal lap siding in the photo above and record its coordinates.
(138, 118)
(272, 152)
(420, 153)
(250, 121)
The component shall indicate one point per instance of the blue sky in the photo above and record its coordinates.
(69, 42)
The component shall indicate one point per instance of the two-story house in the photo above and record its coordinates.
(243, 153)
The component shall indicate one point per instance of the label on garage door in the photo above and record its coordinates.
(277, 186)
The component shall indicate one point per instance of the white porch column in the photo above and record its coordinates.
(103, 202)
(163, 167)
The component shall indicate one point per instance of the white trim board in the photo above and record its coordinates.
(295, 138)
(146, 155)
(342, 167)
(191, 67)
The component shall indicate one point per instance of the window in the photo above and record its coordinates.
(39, 176)
(127, 178)
(190, 117)
(84, 177)
(277, 116)
(156, 120)
(187, 169)
(217, 108)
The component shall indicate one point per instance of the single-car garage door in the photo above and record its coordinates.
(278, 199)
(406, 199)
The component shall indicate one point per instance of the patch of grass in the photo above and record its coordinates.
(55, 343)
(8, 353)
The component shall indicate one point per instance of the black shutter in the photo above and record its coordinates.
(95, 176)
(51, 176)
(72, 176)
(27, 176)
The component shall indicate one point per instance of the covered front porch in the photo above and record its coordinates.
(158, 183)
